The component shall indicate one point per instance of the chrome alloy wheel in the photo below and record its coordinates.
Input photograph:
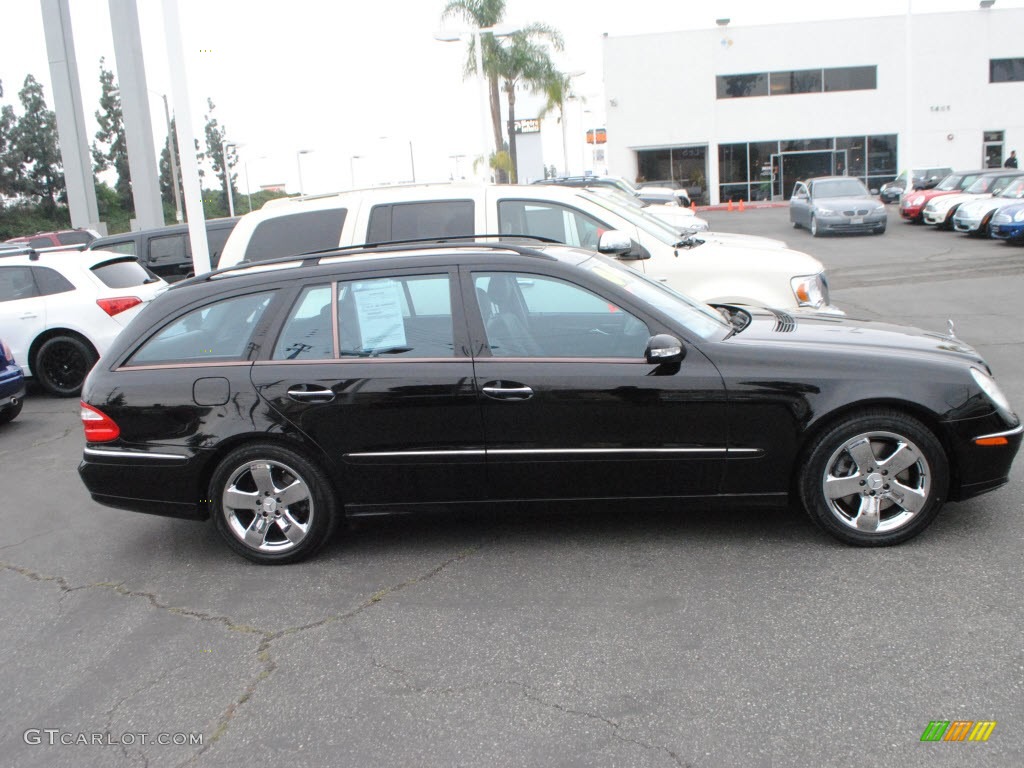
(876, 482)
(267, 506)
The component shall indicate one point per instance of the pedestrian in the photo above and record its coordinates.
(1011, 161)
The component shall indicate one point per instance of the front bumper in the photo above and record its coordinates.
(982, 468)
(966, 223)
(838, 223)
(1011, 231)
(937, 216)
(911, 212)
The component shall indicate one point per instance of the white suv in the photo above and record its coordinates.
(60, 310)
(707, 270)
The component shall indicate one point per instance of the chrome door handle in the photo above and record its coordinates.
(311, 394)
(519, 392)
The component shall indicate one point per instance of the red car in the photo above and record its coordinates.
(912, 203)
(66, 238)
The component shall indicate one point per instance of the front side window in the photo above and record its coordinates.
(17, 283)
(408, 316)
(551, 220)
(217, 332)
(528, 315)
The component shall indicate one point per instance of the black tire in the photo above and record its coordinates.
(290, 531)
(881, 508)
(10, 413)
(796, 225)
(62, 363)
(815, 232)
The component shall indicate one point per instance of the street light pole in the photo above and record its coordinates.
(227, 174)
(172, 150)
(298, 162)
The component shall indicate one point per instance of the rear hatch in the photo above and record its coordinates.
(125, 286)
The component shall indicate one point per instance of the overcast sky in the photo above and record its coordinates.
(335, 76)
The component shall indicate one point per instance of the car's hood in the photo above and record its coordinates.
(1011, 208)
(839, 333)
(846, 203)
(750, 257)
(948, 201)
(928, 194)
(745, 241)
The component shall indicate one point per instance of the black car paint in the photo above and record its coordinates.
(746, 403)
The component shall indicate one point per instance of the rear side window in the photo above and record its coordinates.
(217, 332)
(41, 242)
(122, 273)
(308, 333)
(75, 238)
(295, 234)
(169, 249)
(420, 221)
(17, 283)
(50, 281)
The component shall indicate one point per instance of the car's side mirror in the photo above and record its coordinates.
(636, 252)
(664, 348)
(614, 242)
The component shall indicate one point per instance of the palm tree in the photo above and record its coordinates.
(525, 60)
(482, 14)
(558, 90)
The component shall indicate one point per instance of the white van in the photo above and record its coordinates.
(706, 270)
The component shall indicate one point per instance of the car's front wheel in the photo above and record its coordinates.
(271, 504)
(875, 479)
(62, 363)
(815, 232)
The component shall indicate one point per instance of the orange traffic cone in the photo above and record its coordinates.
(741, 204)
(730, 203)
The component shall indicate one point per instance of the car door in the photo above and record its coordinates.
(799, 205)
(22, 310)
(570, 407)
(376, 370)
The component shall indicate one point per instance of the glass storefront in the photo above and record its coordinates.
(678, 165)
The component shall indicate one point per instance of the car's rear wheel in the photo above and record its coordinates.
(10, 413)
(875, 479)
(62, 363)
(271, 504)
(815, 232)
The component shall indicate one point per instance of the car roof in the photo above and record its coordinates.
(173, 229)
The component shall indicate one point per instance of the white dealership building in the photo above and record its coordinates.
(743, 112)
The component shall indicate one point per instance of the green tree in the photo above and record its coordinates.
(216, 135)
(10, 168)
(525, 60)
(558, 90)
(110, 149)
(482, 14)
(34, 148)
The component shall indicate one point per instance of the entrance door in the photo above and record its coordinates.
(992, 149)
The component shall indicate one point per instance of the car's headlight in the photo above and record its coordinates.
(879, 209)
(824, 211)
(1019, 215)
(810, 290)
(991, 389)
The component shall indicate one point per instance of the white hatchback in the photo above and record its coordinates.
(60, 310)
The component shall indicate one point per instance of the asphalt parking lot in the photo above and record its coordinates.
(739, 638)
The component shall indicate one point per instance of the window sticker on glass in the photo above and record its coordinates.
(379, 308)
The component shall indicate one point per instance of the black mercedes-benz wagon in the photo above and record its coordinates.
(277, 397)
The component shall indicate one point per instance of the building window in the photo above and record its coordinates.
(741, 86)
(1006, 70)
(796, 81)
(851, 79)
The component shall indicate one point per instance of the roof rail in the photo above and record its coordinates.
(394, 246)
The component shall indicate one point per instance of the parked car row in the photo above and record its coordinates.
(980, 203)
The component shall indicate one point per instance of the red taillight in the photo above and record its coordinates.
(99, 428)
(120, 304)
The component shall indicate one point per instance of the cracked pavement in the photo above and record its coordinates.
(613, 638)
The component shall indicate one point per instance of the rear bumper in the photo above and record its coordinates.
(12, 385)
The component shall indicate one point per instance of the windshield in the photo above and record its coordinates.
(1015, 189)
(693, 315)
(838, 188)
(618, 196)
(980, 186)
(949, 183)
(639, 217)
(1002, 185)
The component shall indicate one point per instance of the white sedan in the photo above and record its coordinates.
(60, 310)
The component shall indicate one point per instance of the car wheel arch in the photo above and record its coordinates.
(52, 333)
(234, 442)
(815, 429)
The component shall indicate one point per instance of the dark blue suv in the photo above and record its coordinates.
(12, 385)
